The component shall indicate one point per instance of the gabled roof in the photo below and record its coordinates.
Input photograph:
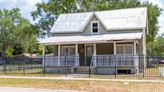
(132, 18)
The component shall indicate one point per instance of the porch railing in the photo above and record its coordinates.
(51, 61)
(98, 61)
(119, 60)
(64, 61)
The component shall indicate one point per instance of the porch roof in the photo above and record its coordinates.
(90, 38)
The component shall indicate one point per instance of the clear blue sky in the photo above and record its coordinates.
(26, 6)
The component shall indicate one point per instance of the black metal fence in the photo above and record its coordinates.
(20, 66)
(114, 66)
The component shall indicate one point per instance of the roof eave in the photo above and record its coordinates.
(127, 28)
(67, 32)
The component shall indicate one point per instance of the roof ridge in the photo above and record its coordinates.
(104, 10)
(123, 9)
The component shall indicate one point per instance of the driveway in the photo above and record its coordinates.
(14, 89)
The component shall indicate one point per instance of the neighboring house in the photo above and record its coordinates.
(26, 58)
(100, 39)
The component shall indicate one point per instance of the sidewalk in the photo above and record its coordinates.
(85, 79)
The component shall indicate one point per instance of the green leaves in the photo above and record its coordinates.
(14, 29)
(9, 20)
(156, 47)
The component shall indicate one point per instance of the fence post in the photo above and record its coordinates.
(143, 72)
(5, 68)
(43, 59)
(24, 63)
(65, 66)
(89, 67)
(44, 66)
(115, 66)
(143, 67)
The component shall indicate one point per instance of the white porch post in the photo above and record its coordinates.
(114, 52)
(59, 55)
(43, 56)
(94, 54)
(135, 51)
(136, 63)
(77, 55)
(114, 45)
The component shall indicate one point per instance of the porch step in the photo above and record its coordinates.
(84, 69)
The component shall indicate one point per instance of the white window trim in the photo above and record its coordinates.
(92, 27)
(124, 47)
(68, 47)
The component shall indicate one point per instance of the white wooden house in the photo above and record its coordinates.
(100, 39)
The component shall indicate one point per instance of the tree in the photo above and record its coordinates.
(28, 38)
(9, 22)
(17, 33)
(18, 49)
(157, 46)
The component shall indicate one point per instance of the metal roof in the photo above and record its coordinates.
(71, 22)
(91, 38)
(131, 18)
(123, 19)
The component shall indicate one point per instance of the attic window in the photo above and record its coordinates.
(94, 27)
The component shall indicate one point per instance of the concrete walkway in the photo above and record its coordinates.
(84, 79)
(14, 89)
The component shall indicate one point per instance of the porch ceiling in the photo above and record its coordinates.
(90, 38)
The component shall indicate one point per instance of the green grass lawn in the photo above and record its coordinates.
(91, 86)
(30, 72)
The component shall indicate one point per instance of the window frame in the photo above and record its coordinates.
(92, 27)
(124, 50)
(68, 48)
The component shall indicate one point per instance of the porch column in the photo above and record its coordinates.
(134, 45)
(94, 55)
(59, 55)
(77, 55)
(136, 60)
(43, 56)
(114, 60)
(114, 50)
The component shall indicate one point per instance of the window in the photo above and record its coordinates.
(68, 51)
(119, 50)
(124, 49)
(94, 27)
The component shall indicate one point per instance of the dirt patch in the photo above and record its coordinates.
(91, 86)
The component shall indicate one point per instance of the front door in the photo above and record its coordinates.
(89, 54)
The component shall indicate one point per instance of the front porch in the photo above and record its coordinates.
(103, 57)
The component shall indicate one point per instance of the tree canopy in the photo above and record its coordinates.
(16, 33)
(10, 20)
